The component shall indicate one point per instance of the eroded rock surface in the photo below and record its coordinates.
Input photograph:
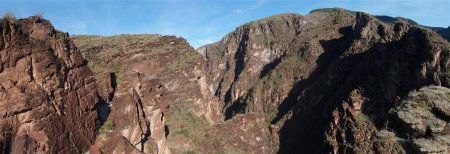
(423, 117)
(158, 92)
(325, 82)
(48, 95)
(319, 83)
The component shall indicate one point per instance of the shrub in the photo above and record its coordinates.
(60, 35)
(9, 16)
(446, 51)
(39, 14)
(337, 18)
(189, 152)
(107, 126)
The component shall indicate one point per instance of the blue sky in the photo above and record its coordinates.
(203, 21)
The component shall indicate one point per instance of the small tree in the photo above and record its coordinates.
(9, 16)
(39, 14)
(107, 126)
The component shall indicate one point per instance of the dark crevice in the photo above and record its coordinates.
(141, 114)
(166, 129)
(239, 67)
(103, 110)
(236, 107)
(240, 56)
(103, 107)
(227, 96)
(439, 114)
(270, 66)
(239, 106)
(219, 86)
(113, 85)
(6, 145)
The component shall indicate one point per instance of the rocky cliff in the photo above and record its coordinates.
(156, 89)
(48, 95)
(159, 99)
(331, 81)
(326, 81)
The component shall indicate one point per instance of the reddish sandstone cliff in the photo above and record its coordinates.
(48, 95)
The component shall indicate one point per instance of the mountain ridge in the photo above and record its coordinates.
(331, 81)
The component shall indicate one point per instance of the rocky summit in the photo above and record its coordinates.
(48, 95)
(331, 81)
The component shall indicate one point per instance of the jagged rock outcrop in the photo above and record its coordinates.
(157, 92)
(324, 81)
(161, 102)
(421, 118)
(259, 67)
(48, 95)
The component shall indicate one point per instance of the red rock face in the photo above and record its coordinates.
(48, 95)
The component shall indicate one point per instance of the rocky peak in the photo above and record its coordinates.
(365, 24)
(322, 76)
(48, 95)
(38, 28)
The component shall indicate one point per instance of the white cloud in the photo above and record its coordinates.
(237, 11)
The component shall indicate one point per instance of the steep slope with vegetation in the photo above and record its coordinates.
(146, 79)
(324, 82)
(159, 99)
(331, 81)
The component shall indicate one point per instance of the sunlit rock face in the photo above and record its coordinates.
(48, 95)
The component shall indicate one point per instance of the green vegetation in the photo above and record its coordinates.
(183, 132)
(383, 135)
(60, 35)
(107, 126)
(328, 10)
(187, 123)
(189, 152)
(338, 17)
(305, 46)
(249, 23)
(446, 52)
(362, 117)
(39, 14)
(272, 43)
(183, 60)
(9, 16)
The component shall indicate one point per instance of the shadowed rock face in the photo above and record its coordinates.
(445, 33)
(324, 81)
(48, 95)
